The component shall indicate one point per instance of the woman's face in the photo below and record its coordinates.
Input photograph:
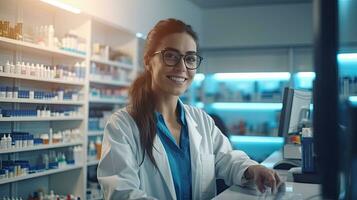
(172, 80)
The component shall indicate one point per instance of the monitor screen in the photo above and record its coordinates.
(295, 113)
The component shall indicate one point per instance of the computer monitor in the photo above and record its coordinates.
(294, 116)
(295, 112)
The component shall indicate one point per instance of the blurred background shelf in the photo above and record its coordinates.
(40, 147)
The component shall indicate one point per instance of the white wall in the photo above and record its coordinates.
(265, 25)
(245, 39)
(142, 15)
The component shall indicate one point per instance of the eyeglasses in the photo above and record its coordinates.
(172, 58)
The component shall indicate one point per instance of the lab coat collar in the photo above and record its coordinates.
(163, 163)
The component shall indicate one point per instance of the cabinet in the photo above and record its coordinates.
(61, 74)
(113, 66)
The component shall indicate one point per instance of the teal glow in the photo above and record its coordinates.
(353, 99)
(304, 79)
(347, 57)
(305, 75)
(199, 77)
(277, 76)
(200, 105)
(257, 147)
(247, 106)
(256, 139)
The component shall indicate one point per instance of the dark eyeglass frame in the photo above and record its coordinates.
(162, 52)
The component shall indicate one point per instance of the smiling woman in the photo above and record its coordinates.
(159, 148)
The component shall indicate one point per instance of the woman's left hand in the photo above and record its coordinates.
(262, 177)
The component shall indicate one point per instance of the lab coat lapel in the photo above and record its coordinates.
(195, 143)
(163, 165)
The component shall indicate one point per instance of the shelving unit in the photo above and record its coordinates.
(11, 43)
(108, 100)
(113, 63)
(118, 79)
(39, 119)
(109, 82)
(35, 14)
(40, 101)
(66, 82)
(40, 147)
(39, 174)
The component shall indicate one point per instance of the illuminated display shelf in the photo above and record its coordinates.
(245, 106)
(109, 82)
(40, 147)
(40, 101)
(11, 43)
(108, 100)
(39, 174)
(30, 119)
(113, 63)
(19, 76)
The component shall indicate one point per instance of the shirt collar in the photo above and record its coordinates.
(181, 113)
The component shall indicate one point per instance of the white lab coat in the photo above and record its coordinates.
(121, 176)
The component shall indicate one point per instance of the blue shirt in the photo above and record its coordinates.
(178, 156)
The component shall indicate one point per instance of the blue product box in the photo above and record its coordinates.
(308, 165)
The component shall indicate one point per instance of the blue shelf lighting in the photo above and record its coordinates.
(277, 76)
(199, 77)
(304, 79)
(256, 139)
(347, 57)
(257, 147)
(246, 106)
(353, 99)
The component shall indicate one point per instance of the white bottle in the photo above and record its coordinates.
(91, 151)
(28, 68)
(42, 71)
(12, 68)
(9, 142)
(18, 67)
(50, 136)
(45, 35)
(7, 67)
(40, 35)
(51, 36)
(32, 69)
(37, 71)
(77, 154)
(3, 144)
(23, 68)
(52, 195)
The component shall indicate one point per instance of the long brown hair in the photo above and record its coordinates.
(142, 101)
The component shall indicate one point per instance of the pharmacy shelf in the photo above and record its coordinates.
(18, 76)
(40, 147)
(245, 106)
(109, 82)
(95, 133)
(39, 101)
(39, 174)
(108, 100)
(113, 63)
(29, 119)
(11, 43)
(91, 163)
